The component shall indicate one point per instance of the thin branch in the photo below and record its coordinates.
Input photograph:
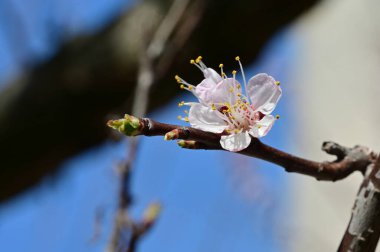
(348, 159)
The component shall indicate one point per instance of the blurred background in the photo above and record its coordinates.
(66, 67)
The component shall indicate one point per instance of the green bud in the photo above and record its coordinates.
(152, 212)
(129, 125)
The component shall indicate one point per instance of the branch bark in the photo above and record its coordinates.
(363, 231)
(348, 159)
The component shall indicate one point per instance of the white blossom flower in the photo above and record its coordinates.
(224, 108)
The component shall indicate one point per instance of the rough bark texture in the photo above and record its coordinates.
(363, 231)
(57, 109)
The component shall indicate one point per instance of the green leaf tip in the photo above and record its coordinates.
(129, 125)
(181, 143)
(187, 144)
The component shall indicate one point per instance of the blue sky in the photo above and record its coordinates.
(212, 200)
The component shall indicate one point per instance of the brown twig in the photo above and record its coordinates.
(348, 159)
(363, 231)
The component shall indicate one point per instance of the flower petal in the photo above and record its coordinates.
(263, 92)
(212, 75)
(235, 142)
(208, 93)
(204, 118)
(262, 127)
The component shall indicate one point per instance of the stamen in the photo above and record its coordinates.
(198, 66)
(180, 104)
(184, 84)
(203, 65)
(221, 70)
(189, 103)
(186, 119)
(242, 73)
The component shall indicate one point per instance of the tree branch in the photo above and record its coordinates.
(348, 159)
(363, 231)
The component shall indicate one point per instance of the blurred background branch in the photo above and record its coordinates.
(149, 55)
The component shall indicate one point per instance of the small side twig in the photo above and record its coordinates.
(348, 159)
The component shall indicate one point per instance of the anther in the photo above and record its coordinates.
(277, 83)
(277, 117)
(221, 65)
(182, 87)
(234, 72)
(181, 104)
(179, 117)
(237, 58)
(192, 61)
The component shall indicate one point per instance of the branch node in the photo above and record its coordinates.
(335, 149)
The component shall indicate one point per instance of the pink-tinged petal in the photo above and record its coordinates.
(204, 91)
(208, 93)
(262, 127)
(204, 118)
(263, 92)
(212, 75)
(235, 142)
